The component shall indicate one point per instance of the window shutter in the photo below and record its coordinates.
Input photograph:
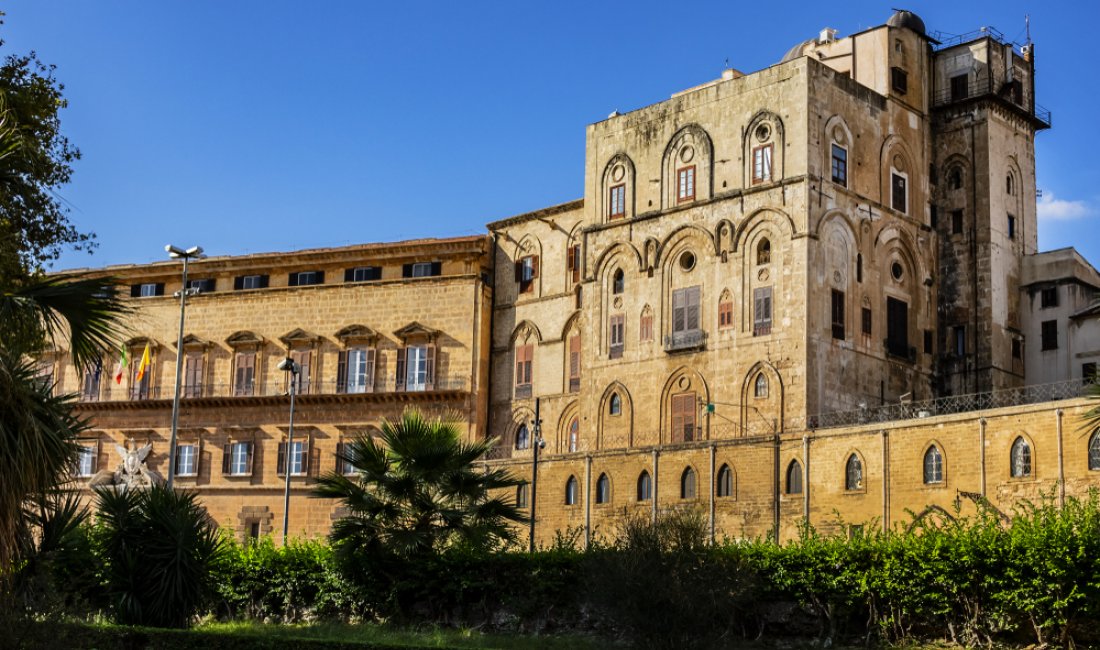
(263, 281)
(575, 356)
(534, 266)
(251, 455)
(226, 449)
(678, 310)
(135, 290)
(437, 268)
(406, 270)
(370, 371)
(280, 464)
(307, 455)
(320, 277)
(339, 458)
(349, 275)
(198, 457)
(518, 268)
(399, 384)
(430, 368)
(159, 290)
(692, 308)
(571, 257)
(342, 372)
(292, 280)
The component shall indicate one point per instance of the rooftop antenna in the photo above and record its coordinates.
(727, 63)
(1027, 27)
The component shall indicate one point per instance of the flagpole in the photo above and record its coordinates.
(186, 255)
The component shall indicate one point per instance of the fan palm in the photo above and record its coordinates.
(417, 491)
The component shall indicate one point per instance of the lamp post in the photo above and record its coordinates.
(177, 253)
(537, 444)
(291, 366)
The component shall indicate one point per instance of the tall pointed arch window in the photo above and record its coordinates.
(853, 474)
(724, 487)
(794, 477)
(933, 466)
(687, 484)
(645, 486)
(1021, 458)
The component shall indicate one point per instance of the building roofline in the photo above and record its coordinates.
(550, 211)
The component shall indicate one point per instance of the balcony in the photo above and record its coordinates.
(111, 392)
(1010, 93)
(685, 340)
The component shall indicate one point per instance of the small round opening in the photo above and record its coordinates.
(896, 271)
(687, 260)
(763, 132)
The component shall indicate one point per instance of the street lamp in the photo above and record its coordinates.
(538, 444)
(291, 366)
(177, 253)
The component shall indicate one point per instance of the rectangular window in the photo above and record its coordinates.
(90, 386)
(303, 358)
(683, 417)
(958, 343)
(147, 290)
(573, 264)
(139, 388)
(187, 459)
(524, 361)
(899, 194)
(840, 165)
(865, 319)
(355, 371)
(617, 207)
(959, 87)
(899, 80)
(419, 367)
(1049, 298)
(897, 328)
(363, 274)
(956, 222)
(345, 461)
(645, 327)
(762, 311)
(1088, 371)
(305, 278)
(574, 363)
(838, 315)
(685, 309)
(527, 270)
(616, 335)
(1011, 227)
(686, 177)
(928, 341)
(206, 285)
(244, 373)
(243, 282)
(1017, 349)
(299, 454)
(238, 459)
(193, 375)
(725, 314)
(761, 164)
(86, 459)
(422, 269)
(1050, 335)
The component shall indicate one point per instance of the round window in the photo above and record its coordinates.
(763, 132)
(896, 270)
(687, 260)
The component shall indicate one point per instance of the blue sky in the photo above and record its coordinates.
(252, 125)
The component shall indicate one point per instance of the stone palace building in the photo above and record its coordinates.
(808, 291)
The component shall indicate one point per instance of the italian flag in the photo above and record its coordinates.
(121, 367)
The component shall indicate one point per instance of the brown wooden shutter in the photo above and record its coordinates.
(518, 269)
(370, 371)
(302, 358)
(692, 308)
(226, 450)
(251, 455)
(399, 384)
(534, 266)
(342, 372)
(575, 356)
(339, 458)
(280, 463)
(198, 456)
(571, 260)
(429, 380)
(307, 455)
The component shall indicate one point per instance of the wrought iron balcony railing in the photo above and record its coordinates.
(685, 340)
(111, 392)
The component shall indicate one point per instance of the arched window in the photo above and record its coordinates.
(1008, 184)
(574, 434)
(760, 387)
(687, 484)
(724, 488)
(1021, 458)
(523, 439)
(618, 282)
(794, 477)
(521, 496)
(764, 252)
(571, 491)
(1094, 450)
(615, 405)
(603, 489)
(933, 465)
(853, 474)
(645, 486)
(955, 179)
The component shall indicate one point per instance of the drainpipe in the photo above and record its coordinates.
(981, 454)
(653, 496)
(775, 488)
(587, 501)
(1061, 464)
(806, 483)
(974, 262)
(885, 481)
(713, 488)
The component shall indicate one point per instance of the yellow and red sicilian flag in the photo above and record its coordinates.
(144, 363)
(121, 367)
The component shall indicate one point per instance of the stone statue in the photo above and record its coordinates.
(132, 472)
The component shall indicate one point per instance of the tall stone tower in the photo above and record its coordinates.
(984, 121)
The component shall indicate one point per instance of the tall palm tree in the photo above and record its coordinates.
(417, 490)
(37, 428)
